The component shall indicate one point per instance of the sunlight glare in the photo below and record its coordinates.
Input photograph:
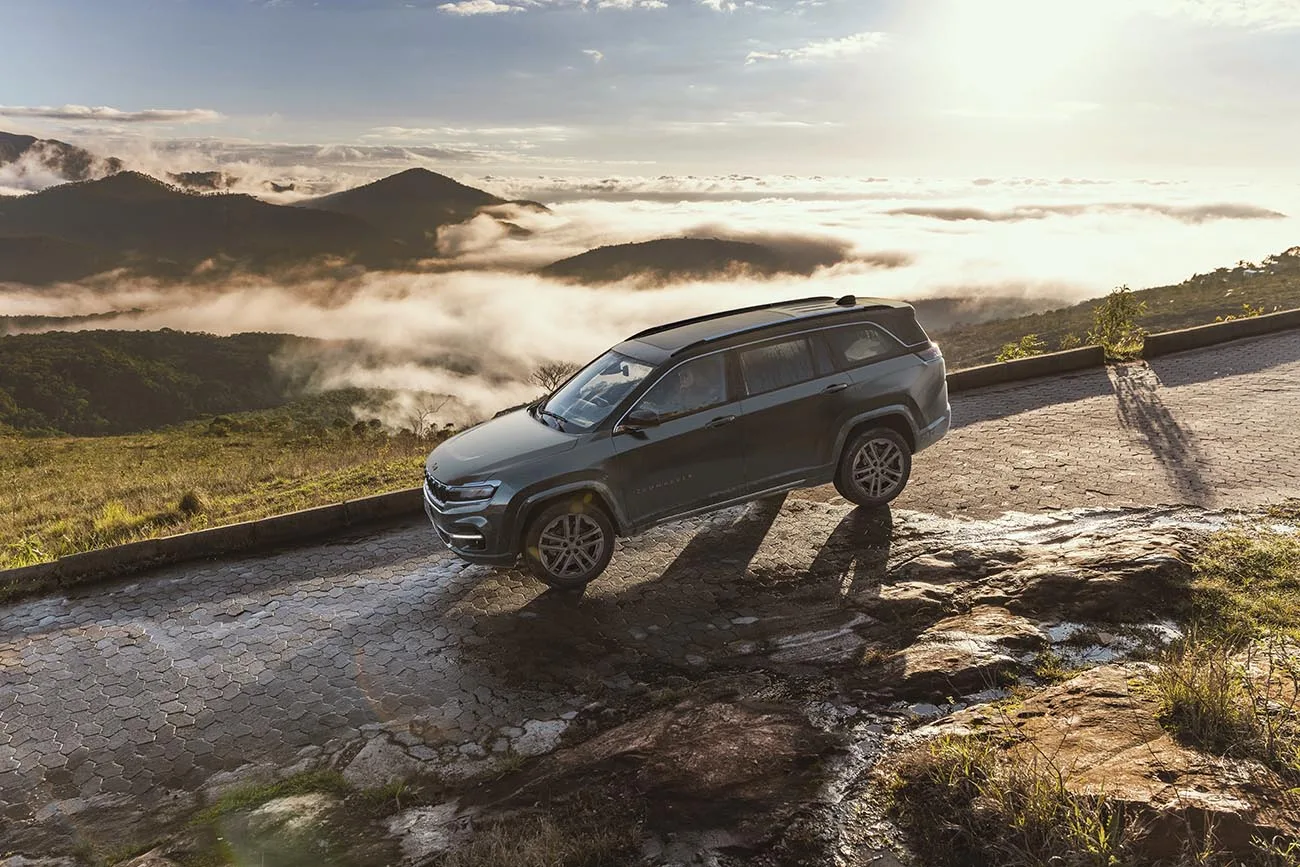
(1013, 56)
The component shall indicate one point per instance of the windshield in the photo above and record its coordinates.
(588, 399)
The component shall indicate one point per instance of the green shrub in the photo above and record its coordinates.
(1028, 346)
(1114, 324)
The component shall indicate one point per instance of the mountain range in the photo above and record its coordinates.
(189, 226)
(59, 158)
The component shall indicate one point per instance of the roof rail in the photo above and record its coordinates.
(713, 338)
(705, 318)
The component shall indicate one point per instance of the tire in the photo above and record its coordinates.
(547, 534)
(874, 467)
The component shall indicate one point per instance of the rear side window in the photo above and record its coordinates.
(855, 345)
(776, 365)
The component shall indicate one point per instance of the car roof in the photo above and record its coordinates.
(674, 338)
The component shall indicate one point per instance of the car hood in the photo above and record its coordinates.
(503, 442)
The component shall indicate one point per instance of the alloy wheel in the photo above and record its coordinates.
(571, 545)
(878, 467)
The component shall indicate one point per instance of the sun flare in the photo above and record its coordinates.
(1014, 55)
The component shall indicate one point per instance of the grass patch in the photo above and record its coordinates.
(591, 832)
(1247, 584)
(65, 495)
(247, 798)
(381, 797)
(1230, 687)
(1287, 511)
(1051, 667)
(967, 801)
(1235, 703)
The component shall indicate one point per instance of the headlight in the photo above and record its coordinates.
(471, 493)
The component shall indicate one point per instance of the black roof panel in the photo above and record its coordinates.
(675, 336)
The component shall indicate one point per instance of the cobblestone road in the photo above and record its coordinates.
(1218, 428)
(136, 688)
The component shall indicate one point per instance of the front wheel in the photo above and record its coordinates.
(874, 467)
(568, 544)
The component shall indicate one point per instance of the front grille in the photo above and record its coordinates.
(437, 489)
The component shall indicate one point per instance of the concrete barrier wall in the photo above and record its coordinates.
(1050, 364)
(1218, 332)
(120, 560)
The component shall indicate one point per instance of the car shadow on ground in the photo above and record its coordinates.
(724, 600)
(1018, 397)
(1141, 410)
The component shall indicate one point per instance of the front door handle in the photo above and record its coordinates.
(834, 387)
(721, 420)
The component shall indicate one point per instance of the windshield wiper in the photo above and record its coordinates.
(549, 414)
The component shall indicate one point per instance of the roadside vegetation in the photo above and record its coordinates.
(1231, 687)
(63, 495)
(1247, 289)
(968, 801)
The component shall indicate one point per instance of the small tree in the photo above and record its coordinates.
(423, 418)
(1069, 340)
(1114, 324)
(1029, 345)
(550, 375)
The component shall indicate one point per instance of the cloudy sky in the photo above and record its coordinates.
(1100, 88)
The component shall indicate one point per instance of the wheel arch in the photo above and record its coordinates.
(599, 494)
(896, 418)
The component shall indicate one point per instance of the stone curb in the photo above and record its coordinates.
(105, 563)
(1050, 364)
(1167, 342)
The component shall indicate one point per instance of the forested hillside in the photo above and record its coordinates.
(108, 382)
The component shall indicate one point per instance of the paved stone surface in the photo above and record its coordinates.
(139, 688)
(1218, 428)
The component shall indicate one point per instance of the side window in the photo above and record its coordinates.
(695, 385)
(856, 345)
(776, 365)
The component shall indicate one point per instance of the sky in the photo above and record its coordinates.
(855, 88)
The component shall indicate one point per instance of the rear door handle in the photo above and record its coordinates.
(834, 387)
(721, 420)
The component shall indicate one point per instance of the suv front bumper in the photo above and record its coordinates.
(469, 531)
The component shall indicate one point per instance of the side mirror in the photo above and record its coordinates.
(640, 419)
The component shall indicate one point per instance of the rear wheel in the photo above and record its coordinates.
(569, 543)
(874, 467)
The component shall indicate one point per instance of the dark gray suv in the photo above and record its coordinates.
(691, 417)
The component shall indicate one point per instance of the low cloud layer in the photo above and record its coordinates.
(475, 321)
(1183, 213)
(112, 115)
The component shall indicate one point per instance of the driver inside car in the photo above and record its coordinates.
(684, 390)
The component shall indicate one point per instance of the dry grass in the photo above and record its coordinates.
(590, 833)
(967, 801)
(1241, 704)
(976, 802)
(59, 496)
